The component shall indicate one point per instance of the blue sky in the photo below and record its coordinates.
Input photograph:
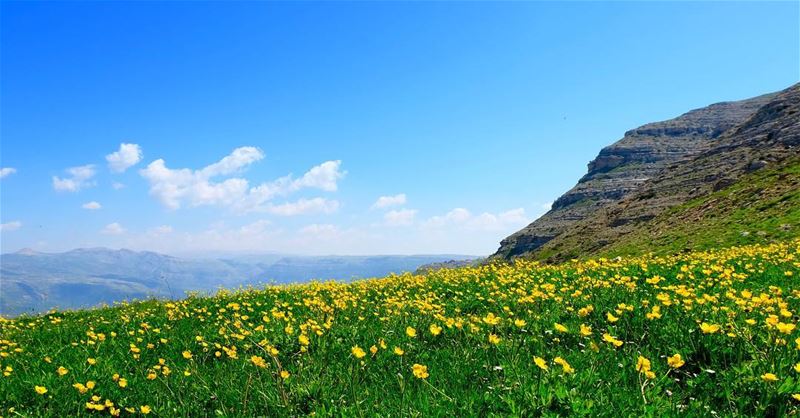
(469, 118)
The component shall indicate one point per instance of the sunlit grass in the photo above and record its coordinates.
(703, 333)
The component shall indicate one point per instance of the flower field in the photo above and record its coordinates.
(699, 334)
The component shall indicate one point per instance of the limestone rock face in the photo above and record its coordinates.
(650, 154)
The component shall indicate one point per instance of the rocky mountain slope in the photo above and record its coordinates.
(661, 166)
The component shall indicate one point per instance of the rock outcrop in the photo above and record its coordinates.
(660, 165)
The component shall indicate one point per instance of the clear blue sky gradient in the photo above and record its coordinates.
(488, 106)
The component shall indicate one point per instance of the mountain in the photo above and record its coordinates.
(663, 180)
(32, 281)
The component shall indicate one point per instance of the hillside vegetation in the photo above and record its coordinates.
(698, 334)
(763, 207)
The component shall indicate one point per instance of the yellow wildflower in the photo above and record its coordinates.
(675, 361)
(769, 377)
(540, 362)
(420, 371)
(358, 352)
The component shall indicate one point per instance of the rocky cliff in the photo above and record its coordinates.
(658, 166)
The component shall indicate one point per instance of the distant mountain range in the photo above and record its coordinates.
(33, 282)
(725, 174)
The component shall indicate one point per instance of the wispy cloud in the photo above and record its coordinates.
(462, 218)
(303, 206)
(400, 217)
(91, 205)
(11, 226)
(113, 229)
(388, 201)
(79, 178)
(7, 171)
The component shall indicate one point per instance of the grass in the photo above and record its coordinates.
(760, 208)
(332, 349)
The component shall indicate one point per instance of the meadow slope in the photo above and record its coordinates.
(693, 334)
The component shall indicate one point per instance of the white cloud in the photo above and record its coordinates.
(91, 205)
(304, 206)
(324, 177)
(485, 221)
(113, 229)
(255, 228)
(117, 185)
(456, 215)
(79, 178)
(387, 201)
(127, 156)
(176, 187)
(11, 226)
(7, 171)
(320, 231)
(400, 217)
(160, 230)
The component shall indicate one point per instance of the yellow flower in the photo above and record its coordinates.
(40, 389)
(122, 382)
(303, 339)
(540, 362)
(90, 384)
(709, 328)
(797, 367)
(399, 351)
(675, 361)
(769, 377)
(258, 361)
(420, 371)
(785, 328)
(643, 367)
(611, 318)
(187, 355)
(373, 349)
(796, 396)
(655, 313)
(560, 328)
(564, 365)
(145, 409)
(519, 323)
(62, 371)
(586, 330)
(91, 361)
(610, 339)
(80, 387)
(435, 329)
(494, 339)
(411, 332)
(358, 352)
(491, 319)
(151, 375)
(285, 374)
(642, 364)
